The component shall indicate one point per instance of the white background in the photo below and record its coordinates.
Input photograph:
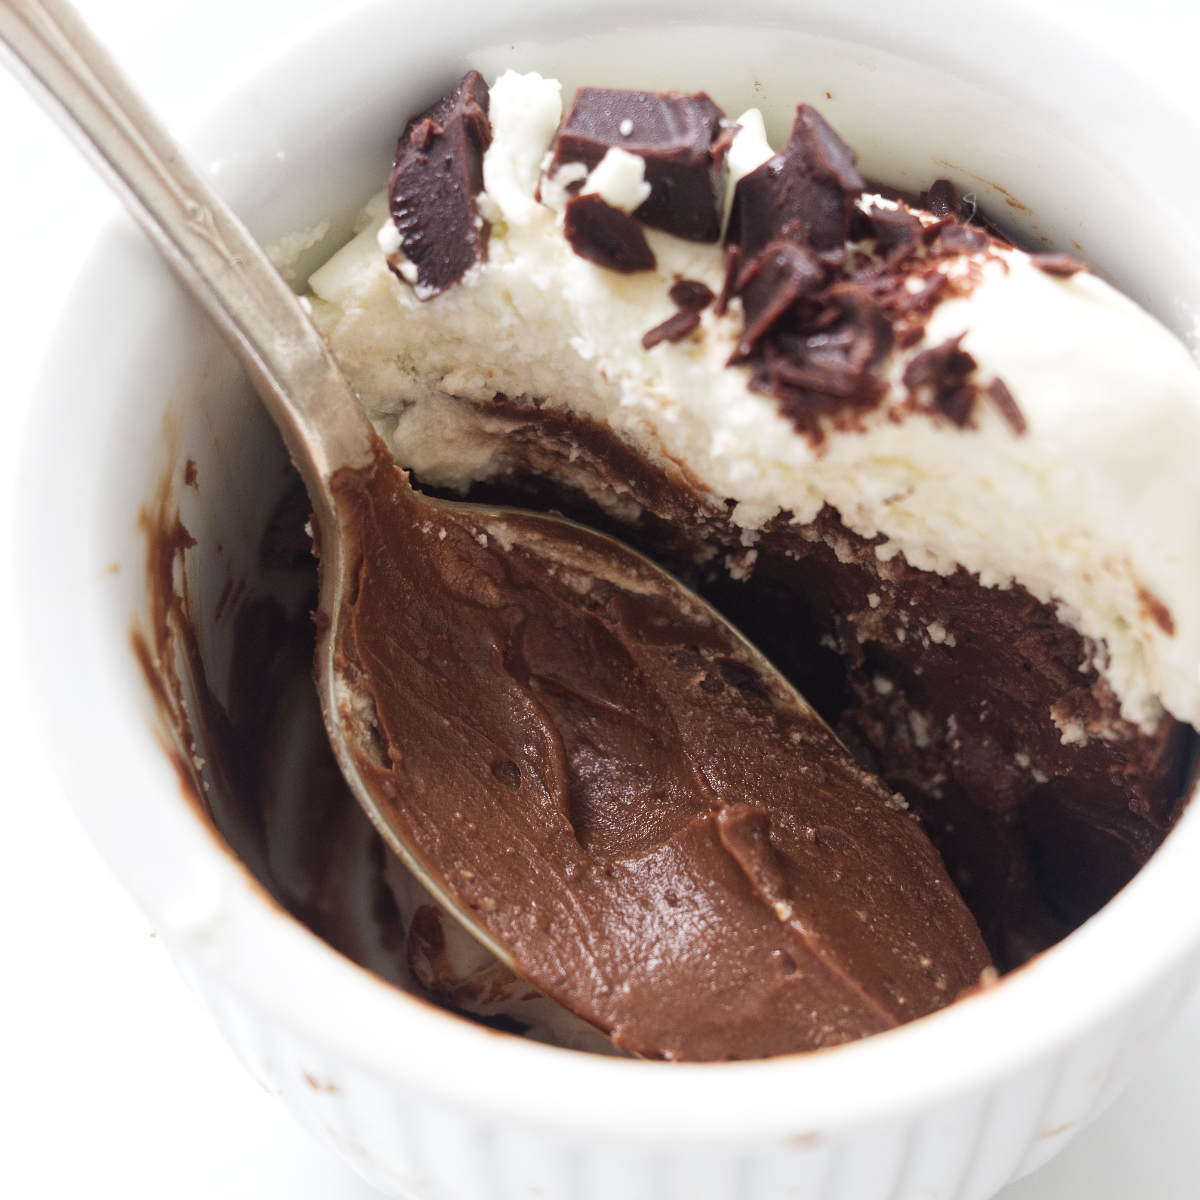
(112, 1080)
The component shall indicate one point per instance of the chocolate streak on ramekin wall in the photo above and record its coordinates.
(1038, 835)
(255, 762)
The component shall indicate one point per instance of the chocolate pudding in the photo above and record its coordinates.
(894, 448)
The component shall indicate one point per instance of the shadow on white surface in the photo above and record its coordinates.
(1146, 1144)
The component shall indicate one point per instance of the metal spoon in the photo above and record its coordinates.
(377, 539)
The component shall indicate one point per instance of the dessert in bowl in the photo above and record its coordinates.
(1030, 1056)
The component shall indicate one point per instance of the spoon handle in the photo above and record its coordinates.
(79, 83)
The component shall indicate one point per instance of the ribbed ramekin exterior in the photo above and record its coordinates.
(409, 1142)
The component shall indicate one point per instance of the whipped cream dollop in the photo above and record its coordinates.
(1090, 506)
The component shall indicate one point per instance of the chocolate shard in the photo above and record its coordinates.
(679, 137)
(893, 228)
(605, 235)
(690, 295)
(1057, 263)
(771, 284)
(1006, 405)
(673, 329)
(437, 174)
(809, 188)
(942, 199)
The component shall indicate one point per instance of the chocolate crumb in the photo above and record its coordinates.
(1156, 610)
(690, 295)
(606, 236)
(673, 329)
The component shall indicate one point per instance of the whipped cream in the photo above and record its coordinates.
(1091, 508)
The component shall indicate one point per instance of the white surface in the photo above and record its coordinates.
(114, 1077)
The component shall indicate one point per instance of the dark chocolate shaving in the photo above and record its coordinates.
(605, 235)
(771, 284)
(833, 352)
(673, 329)
(1057, 263)
(946, 371)
(679, 137)
(1006, 405)
(436, 176)
(690, 295)
(733, 269)
(806, 192)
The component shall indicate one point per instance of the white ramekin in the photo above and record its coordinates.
(422, 1103)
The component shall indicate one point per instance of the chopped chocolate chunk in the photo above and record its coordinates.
(942, 199)
(437, 174)
(690, 295)
(946, 369)
(680, 139)
(771, 284)
(806, 192)
(1063, 265)
(672, 329)
(1006, 404)
(833, 355)
(606, 236)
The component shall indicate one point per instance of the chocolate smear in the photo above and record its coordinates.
(680, 139)
(673, 329)
(605, 235)
(808, 190)
(437, 174)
